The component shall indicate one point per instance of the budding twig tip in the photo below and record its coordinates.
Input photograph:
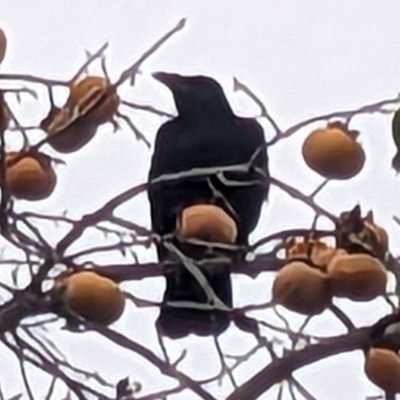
(181, 23)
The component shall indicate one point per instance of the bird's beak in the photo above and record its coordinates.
(166, 78)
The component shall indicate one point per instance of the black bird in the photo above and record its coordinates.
(205, 134)
(396, 138)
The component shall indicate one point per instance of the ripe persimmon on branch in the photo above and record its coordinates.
(63, 284)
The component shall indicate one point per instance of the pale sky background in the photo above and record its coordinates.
(303, 58)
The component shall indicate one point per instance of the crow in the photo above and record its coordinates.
(225, 161)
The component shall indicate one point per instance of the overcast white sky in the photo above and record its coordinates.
(303, 58)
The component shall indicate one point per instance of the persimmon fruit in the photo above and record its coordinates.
(314, 251)
(207, 222)
(93, 297)
(96, 98)
(29, 177)
(3, 44)
(302, 288)
(72, 138)
(359, 277)
(382, 367)
(333, 152)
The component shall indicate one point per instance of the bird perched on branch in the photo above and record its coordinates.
(205, 155)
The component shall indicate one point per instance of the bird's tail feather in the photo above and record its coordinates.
(198, 296)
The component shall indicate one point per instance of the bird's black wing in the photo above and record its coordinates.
(247, 200)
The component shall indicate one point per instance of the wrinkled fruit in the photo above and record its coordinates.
(333, 152)
(94, 297)
(207, 222)
(357, 234)
(31, 177)
(357, 276)
(382, 238)
(382, 367)
(313, 251)
(302, 288)
(98, 101)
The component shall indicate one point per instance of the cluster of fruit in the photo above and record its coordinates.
(315, 272)
(29, 175)
(96, 298)
(92, 101)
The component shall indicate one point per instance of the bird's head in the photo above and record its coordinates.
(196, 96)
